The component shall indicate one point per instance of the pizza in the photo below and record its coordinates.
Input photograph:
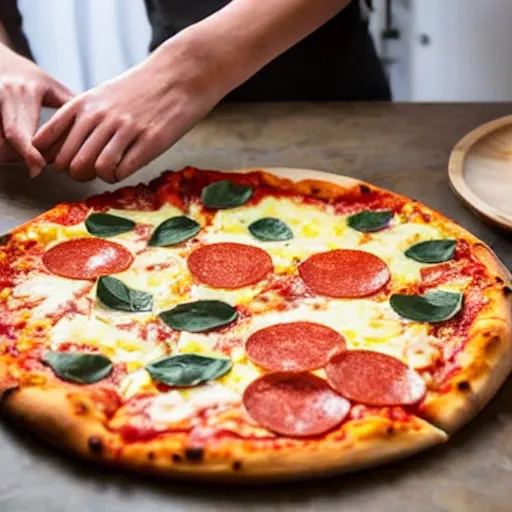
(262, 324)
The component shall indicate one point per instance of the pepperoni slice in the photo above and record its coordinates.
(229, 265)
(87, 258)
(344, 273)
(294, 404)
(294, 346)
(372, 378)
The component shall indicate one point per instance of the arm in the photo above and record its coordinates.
(247, 34)
(116, 128)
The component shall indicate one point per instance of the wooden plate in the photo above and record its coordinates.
(480, 171)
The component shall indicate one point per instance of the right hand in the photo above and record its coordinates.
(24, 89)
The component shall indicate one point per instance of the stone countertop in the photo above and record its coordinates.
(403, 147)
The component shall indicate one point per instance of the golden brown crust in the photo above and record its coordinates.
(486, 360)
(364, 443)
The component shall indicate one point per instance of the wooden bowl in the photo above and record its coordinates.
(480, 171)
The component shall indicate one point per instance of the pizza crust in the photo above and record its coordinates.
(486, 359)
(363, 443)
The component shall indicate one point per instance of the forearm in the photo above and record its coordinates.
(238, 40)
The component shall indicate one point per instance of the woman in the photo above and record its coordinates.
(204, 51)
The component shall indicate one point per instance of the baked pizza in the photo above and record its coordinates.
(249, 325)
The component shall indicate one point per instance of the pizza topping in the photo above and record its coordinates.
(435, 306)
(188, 369)
(114, 294)
(105, 225)
(294, 346)
(432, 251)
(225, 194)
(81, 368)
(87, 258)
(202, 315)
(270, 229)
(344, 273)
(372, 378)
(229, 265)
(174, 231)
(369, 221)
(294, 404)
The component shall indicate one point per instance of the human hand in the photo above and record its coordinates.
(24, 88)
(120, 126)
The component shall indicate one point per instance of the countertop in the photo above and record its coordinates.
(403, 147)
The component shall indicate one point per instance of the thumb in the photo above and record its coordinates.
(56, 95)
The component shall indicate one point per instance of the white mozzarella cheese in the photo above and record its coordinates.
(175, 406)
(52, 292)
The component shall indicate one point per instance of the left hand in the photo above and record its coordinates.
(120, 126)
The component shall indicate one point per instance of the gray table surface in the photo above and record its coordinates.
(398, 146)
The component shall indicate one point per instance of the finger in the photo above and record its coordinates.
(78, 134)
(20, 114)
(55, 128)
(113, 152)
(56, 95)
(52, 153)
(82, 166)
(138, 155)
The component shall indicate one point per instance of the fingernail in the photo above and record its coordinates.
(35, 171)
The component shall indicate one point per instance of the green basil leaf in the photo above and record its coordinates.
(105, 225)
(269, 229)
(370, 221)
(114, 294)
(79, 368)
(433, 251)
(435, 306)
(199, 316)
(225, 194)
(174, 231)
(188, 369)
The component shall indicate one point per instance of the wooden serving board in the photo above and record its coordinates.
(480, 171)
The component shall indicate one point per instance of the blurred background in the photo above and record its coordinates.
(433, 50)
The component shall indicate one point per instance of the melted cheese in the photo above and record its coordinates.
(176, 406)
(119, 339)
(50, 292)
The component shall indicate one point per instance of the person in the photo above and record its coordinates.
(203, 52)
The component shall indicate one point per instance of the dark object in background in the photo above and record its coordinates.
(10, 18)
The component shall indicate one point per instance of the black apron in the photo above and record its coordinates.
(338, 62)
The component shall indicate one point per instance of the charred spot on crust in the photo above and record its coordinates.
(390, 431)
(463, 386)
(8, 392)
(82, 408)
(4, 239)
(315, 190)
(507, 290)
(498, 280)
(194, 454)
(237, 465)
(95, 445)
(151, 455)
(176, 457)
(364, 189)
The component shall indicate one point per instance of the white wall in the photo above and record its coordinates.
(469, 54)
(85, 42)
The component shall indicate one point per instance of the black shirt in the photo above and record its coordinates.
(337, 62)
